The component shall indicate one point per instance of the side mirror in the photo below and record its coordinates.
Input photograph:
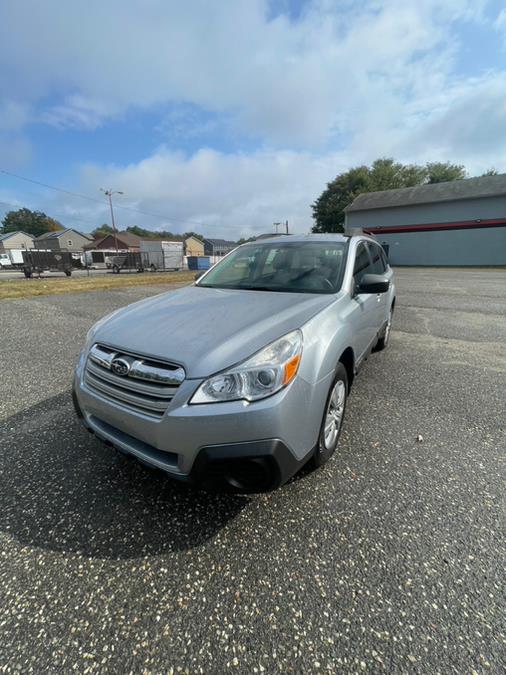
(199, 274)
(373, 283)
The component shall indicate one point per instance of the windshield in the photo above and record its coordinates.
(292, 267)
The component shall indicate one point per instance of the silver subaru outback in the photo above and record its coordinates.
(236, 382)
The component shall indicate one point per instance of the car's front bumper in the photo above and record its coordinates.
(229, 446)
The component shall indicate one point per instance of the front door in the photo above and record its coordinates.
(365, 312)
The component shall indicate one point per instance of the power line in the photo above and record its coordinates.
(64, 216)
(98, 201)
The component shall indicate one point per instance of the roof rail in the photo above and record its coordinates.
(356, 232)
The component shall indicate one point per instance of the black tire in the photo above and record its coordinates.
(385, 338)
(115, 269)
(27, 272)
(68, 273)
(153, 267)
(327, 443)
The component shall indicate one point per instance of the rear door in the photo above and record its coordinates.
(365, 314)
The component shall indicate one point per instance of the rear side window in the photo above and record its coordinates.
(362, 263)
(378, 261)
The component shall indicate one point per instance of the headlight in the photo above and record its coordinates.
(265, 373)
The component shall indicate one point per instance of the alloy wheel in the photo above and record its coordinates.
(334, 415)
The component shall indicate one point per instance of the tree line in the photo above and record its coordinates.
(36, 223)
(104, 230)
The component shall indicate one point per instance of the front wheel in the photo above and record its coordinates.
(333, 416)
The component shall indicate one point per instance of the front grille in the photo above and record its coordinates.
(137, 383)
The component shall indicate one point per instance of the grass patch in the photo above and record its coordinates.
(27, 288)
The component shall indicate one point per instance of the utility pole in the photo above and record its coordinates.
(285, 225)
(109, 194)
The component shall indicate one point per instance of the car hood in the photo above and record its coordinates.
(207, 329)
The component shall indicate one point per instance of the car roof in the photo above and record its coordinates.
(327, 237)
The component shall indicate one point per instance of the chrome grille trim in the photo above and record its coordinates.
(124, 383)
(140, 368)
(123, 396)
(147, 387)
(143, 371)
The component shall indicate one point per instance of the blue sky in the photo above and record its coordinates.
(224, 117)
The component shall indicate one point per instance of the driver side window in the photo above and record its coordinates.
(362, 264)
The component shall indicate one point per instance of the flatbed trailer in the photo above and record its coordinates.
(127, 261)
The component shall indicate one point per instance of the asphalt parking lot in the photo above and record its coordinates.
(390, 559)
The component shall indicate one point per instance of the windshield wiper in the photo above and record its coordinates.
(258, 288)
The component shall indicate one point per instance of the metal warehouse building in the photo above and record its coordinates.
(461, 222)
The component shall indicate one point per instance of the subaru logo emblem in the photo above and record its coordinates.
(120, 367)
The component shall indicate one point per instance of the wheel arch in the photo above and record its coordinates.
(347, 358)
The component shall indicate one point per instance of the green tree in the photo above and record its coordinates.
(152, 234)
(102, 231)
(491, 172)
(328, 209)
(34, 223)
(386, 174)
(441, 172)
(383, 174)
(161, 234)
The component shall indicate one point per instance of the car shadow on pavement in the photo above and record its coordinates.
(61, 489)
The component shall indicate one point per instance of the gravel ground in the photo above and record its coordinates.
(390, 559)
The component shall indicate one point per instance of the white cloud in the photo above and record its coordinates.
(291, 83)
(77, 111)
(500, 21)
(468, 124)
(225, 194)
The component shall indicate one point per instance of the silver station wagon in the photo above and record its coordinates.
(237, 381)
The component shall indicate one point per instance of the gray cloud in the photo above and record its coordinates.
(287, 82)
